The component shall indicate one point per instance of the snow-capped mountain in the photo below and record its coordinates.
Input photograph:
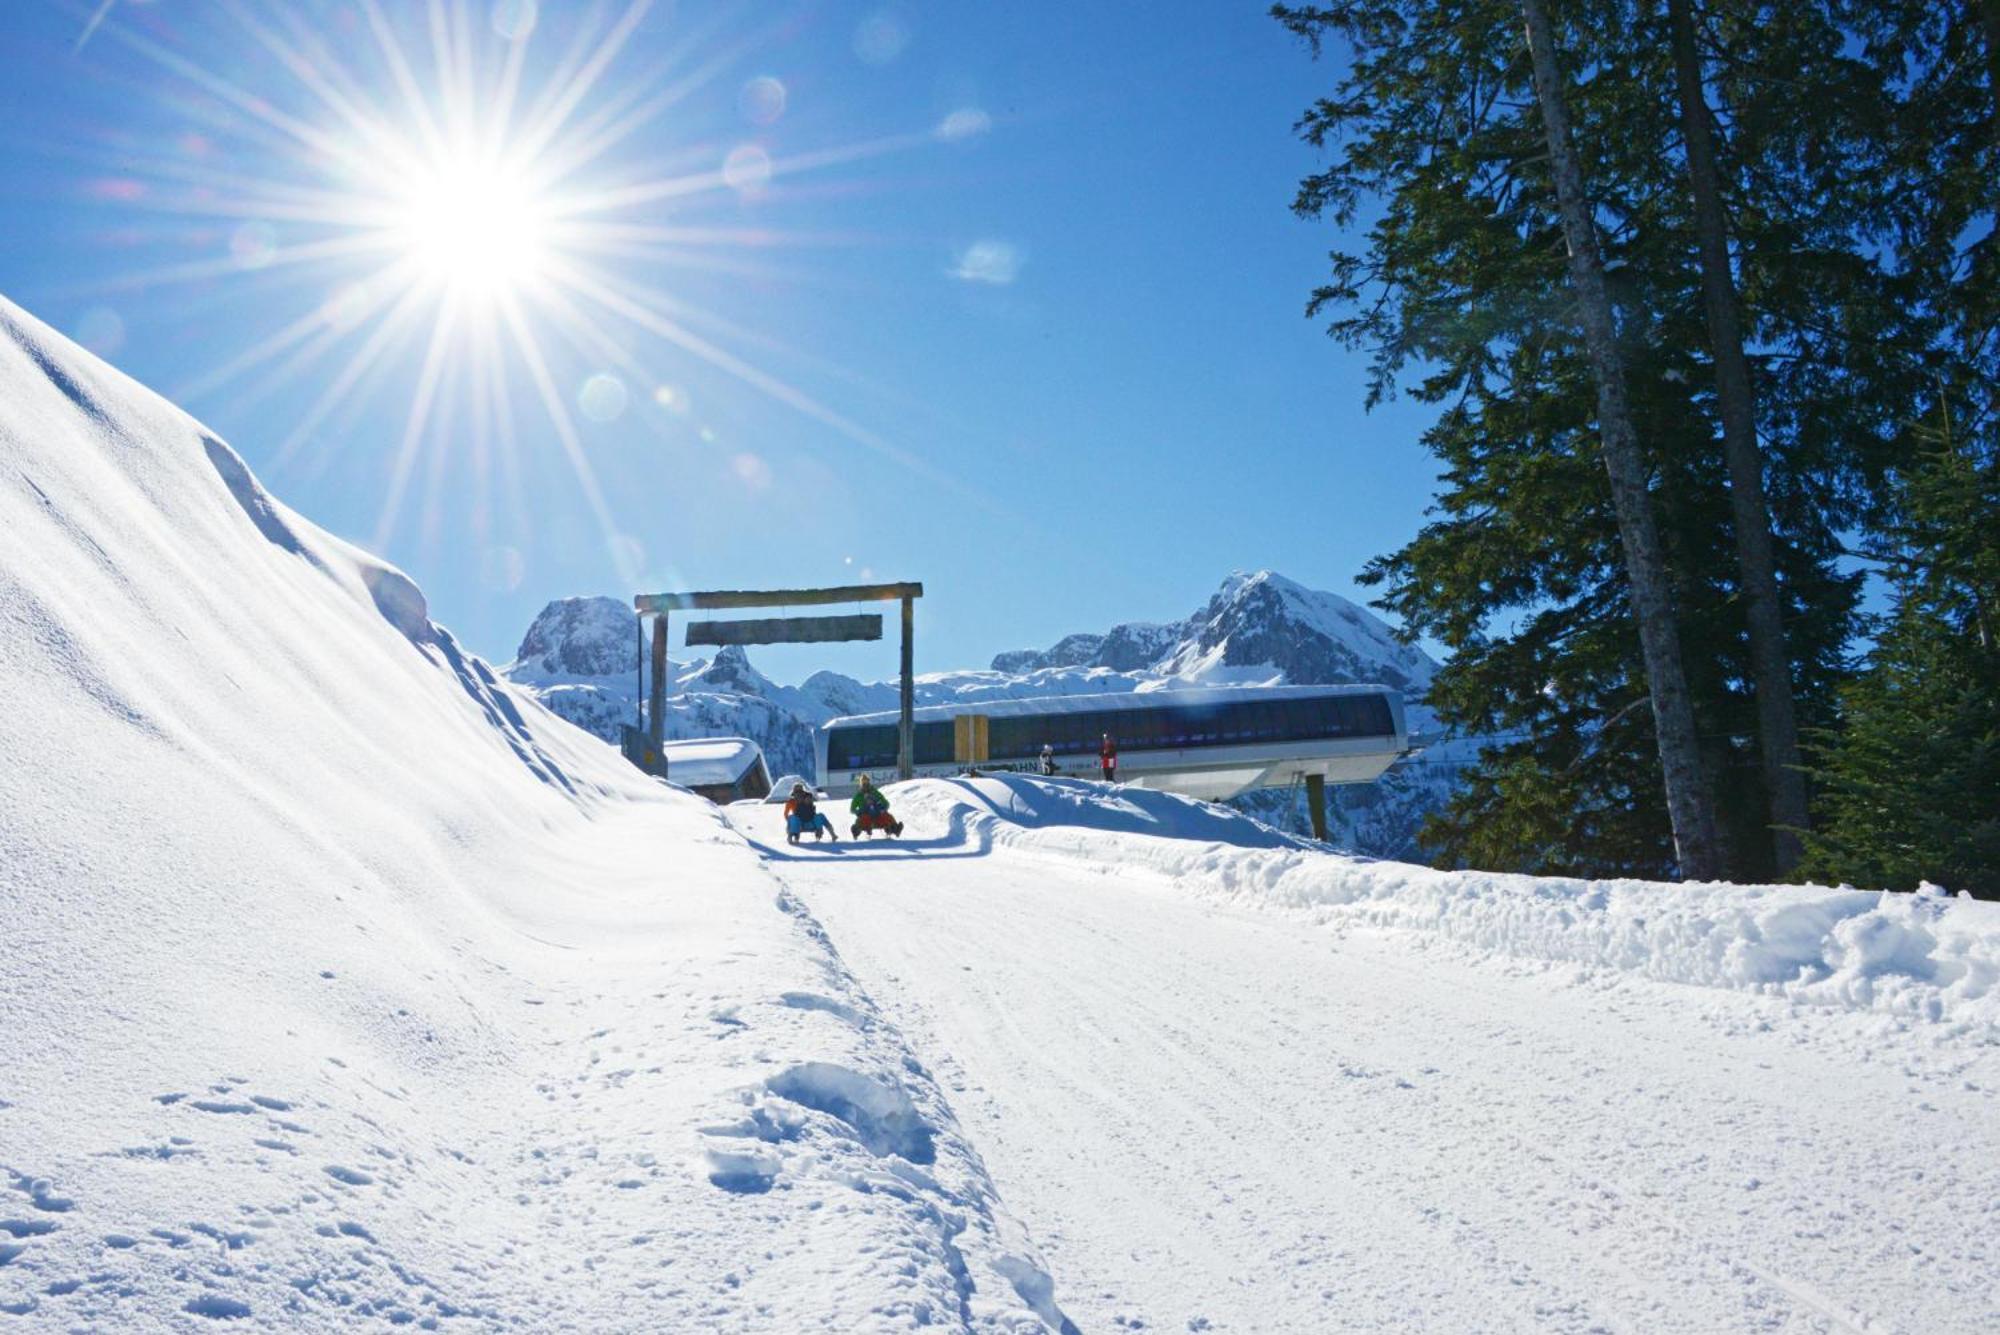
(1258, 628)
(580, 656)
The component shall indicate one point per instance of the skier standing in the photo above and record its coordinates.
(1048, 760)
(1107, 756)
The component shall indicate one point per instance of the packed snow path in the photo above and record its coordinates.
(1219, 1119)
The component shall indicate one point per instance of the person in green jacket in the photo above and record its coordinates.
(871, 811)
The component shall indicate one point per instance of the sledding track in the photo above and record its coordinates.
(1219, 1120)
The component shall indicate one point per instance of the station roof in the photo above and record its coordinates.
(1181, 698)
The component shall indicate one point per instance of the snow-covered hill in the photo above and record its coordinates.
(343, 986)
(1257, 629)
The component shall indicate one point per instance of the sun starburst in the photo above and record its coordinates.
(467, 210)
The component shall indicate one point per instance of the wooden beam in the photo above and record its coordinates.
(660, 687)
(649, 603)
(906, 727)
(787, 630)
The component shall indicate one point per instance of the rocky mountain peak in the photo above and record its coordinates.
(1256, 619)
(1261, 619)
(578, 637)
(730, 670)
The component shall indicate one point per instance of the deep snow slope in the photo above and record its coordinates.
(1235, 1083)
(341, 984)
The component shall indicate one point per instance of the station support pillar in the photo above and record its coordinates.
(1316, 803)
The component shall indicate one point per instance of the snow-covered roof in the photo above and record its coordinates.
(1120, 700)
(781, 791)
(700, 761)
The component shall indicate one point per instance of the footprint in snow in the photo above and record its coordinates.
(40, 1193)
(217, 1307)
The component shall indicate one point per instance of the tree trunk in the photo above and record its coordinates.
(1690, 808)
(1989, 19)
(1771, 664)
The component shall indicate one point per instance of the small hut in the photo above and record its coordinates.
(721, 769)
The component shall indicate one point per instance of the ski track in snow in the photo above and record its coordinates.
(692, 1120)
(1220, 1119)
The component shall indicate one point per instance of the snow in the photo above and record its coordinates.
(1926, 955)
(781, 791)
(1238, 1083)
(710, 760)
(344, 985)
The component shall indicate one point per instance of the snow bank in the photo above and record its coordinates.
(1924, 955)
(342, 984)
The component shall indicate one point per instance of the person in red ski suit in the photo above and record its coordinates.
(1107, 756)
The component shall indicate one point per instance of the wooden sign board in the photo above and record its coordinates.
(787, 630)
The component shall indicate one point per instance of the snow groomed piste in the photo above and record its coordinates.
(343, 985)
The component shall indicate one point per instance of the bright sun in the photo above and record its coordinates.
(493, 227)
(476, 228)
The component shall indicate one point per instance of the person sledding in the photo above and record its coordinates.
(871, 811)
(803, 816)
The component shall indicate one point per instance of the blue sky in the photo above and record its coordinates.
(1005, 298)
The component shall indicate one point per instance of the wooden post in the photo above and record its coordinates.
(906, 727)
(786, 630)
(1316, 804)
(660, 688)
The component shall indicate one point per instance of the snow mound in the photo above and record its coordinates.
(1925, 955)
(1049, 806)
(781, 790)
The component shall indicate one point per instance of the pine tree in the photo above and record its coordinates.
(1912, 779)
(1690, 803)
(1459, 288)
